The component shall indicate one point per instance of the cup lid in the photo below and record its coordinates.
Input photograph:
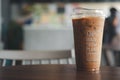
(83, 12)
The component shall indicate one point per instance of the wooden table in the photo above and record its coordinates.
(56, 72)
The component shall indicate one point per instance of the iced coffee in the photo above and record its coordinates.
(88, 32)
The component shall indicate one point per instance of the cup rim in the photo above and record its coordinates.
(83, 11)
(83, 8)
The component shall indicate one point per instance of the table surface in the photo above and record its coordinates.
(56, 72)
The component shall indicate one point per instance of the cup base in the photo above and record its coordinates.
(88, 70)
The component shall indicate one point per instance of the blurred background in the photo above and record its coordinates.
(46, 24)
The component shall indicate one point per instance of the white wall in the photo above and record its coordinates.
(48, 39)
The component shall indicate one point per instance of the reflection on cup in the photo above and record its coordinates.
(88, 32)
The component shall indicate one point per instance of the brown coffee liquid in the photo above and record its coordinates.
(88, 34)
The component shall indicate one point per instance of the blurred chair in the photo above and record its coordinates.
(108, 55)
(112, 52)
(52, 57)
